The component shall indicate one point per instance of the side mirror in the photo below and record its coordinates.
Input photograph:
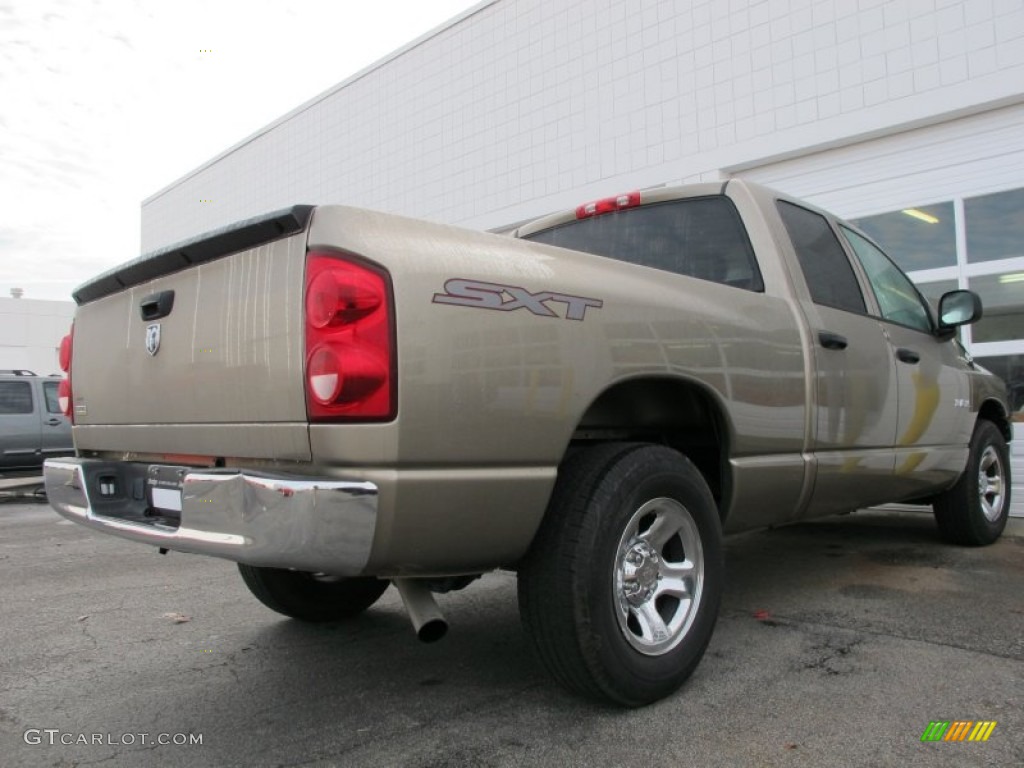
(958, 308)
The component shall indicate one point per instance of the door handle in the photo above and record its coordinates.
(53, 423)
(157, 305)
(908, 355)
(831, 340)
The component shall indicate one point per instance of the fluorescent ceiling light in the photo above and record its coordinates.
(926, 217)
(1013, 277)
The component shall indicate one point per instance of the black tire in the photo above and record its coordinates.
(973, 512)
(587, 588)
(309, 596)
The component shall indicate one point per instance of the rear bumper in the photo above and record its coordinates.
(312, 524)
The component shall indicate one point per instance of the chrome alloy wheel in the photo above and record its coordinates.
(659, 572)
(991, 483)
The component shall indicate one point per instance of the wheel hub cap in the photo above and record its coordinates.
(640, 572)
(658, 576)
(990, 484)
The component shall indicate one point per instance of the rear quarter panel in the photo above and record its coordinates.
(480, 387)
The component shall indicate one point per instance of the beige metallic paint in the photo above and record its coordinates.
(489, 400)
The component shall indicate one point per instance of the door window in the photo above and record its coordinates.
(826, 268)
(50, 392)
(15, 397)
(898, 299)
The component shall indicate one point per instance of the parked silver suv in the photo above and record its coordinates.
(32, 427)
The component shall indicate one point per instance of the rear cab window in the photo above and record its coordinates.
(700, 237)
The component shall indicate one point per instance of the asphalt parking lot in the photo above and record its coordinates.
(838, 643)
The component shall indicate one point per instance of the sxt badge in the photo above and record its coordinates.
(506, 298)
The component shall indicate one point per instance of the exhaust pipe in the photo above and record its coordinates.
(426, 617)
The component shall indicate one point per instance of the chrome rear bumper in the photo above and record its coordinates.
(282, 521)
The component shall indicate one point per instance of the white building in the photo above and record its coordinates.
(907, 115)
(30, 333)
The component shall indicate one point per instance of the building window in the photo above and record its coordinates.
(934, 291)
(1002, 297)
(915, 238)
(995, 226)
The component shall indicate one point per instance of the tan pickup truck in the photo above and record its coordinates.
(339, 399)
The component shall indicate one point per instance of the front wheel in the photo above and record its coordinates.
(311, 596)
(974, 511)
(620, 590)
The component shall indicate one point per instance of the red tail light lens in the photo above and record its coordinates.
(64, 358)
(608, 205)
(349, 341)
(65, 399)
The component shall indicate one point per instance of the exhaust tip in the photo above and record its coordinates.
(426, 617)
(432, 631)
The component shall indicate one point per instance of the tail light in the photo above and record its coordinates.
(350, 358)
(64, 396)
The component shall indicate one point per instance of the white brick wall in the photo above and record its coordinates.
(527, 106)
(30, 333)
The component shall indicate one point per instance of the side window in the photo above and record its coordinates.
(50, 392)
(699, 237)
(15, 397)
(897, 297)
(825, 265)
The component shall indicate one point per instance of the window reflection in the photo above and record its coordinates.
(1002, 297)
(995, 226)
(915, 238)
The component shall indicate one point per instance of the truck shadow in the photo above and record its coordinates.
(861, 575)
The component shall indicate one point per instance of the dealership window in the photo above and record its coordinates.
(976, 243)
(917, 238)
(994, 226)
(1002, 297)
(934, 290)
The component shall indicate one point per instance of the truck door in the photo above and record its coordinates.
(19, 425)
(854, 390)
(54, 426)
(935, 421)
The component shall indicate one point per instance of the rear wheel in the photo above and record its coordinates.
(974, 511)
(620, 591)
(311, 596)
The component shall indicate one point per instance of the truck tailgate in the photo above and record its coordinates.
(226, 359)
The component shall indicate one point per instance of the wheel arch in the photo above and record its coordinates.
(993, 410)
(674, 411)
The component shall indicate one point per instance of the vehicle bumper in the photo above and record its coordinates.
(275, 520)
